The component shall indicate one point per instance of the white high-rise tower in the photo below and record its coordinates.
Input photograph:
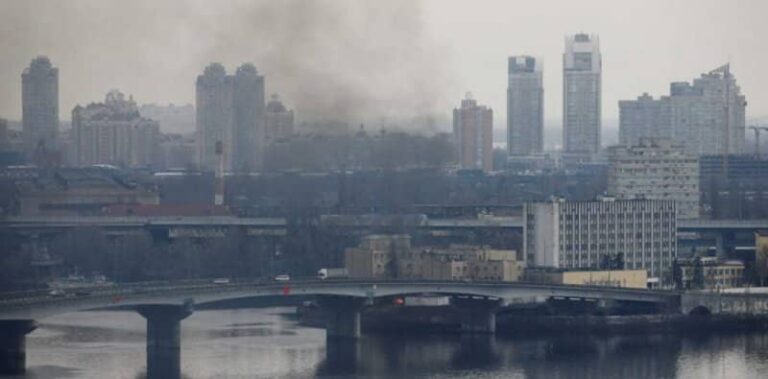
(582, 82)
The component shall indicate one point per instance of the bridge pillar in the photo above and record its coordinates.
(164, 338)
(13, 353)
(342, 316)
(476, 315)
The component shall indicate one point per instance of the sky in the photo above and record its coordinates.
(376, 60)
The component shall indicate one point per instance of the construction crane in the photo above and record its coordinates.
(757, 130)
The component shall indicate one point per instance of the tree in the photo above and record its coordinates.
(697, 281)
(677, 275)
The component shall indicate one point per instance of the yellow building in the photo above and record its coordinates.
(761, 257)
(607, 278)
(375, 256)
(391, 256)
(460, 262)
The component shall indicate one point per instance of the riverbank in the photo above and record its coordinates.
(445, 319)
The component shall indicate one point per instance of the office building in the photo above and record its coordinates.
(707, 116)
(525, 107)
(279, 121)
(630, 234)
(114, 133)
(473, 135)
(230, 118)
(655, 169)
(40, 106)
(582, 87)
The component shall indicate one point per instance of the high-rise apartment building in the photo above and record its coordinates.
(525, 106)
(582, 83)
(40, 106)
(655, 169)
(230, 117)
(114, 133)
(279, 121)
(641, 234)
(707, 117)
(473, 134)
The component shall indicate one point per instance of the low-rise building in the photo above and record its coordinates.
(74, 192)
(374, 257)
(607, 278)
(380, 256)
(708, 273)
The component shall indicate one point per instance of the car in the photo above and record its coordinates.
(57, 293)
(282, 278)
(221, 281)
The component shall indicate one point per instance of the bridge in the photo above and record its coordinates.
(165, 305)
(56, 222)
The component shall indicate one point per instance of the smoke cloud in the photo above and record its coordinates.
(342, 60)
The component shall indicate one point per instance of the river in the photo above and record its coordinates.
(264, 343)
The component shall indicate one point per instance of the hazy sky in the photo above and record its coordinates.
(355, 59)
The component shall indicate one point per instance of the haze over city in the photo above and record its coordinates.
(346, 59)
(383, 188)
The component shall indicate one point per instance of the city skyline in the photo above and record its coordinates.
(636, 60)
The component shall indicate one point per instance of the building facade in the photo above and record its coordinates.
(606, 278)
(709, 273)
(460, 262)
(655, 169)
(114, 133)
(374, 257)
(582, 94)
(525, 106)
(391, 256)
(707, 116)
(40, 106)
(230, 118)
(761, 257)
(633, 234)
(279, 121)
(473, 135)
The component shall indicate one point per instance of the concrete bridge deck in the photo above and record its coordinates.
(42, 305)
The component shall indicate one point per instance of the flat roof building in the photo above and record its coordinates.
(708, 116)
(582, 94)
(630, 234)
(473, 134)
(525, 106)
(655, 169)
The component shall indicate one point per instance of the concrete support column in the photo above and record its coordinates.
(342, 356)
(477, 315)
(13, 353)
(164, 338)
(342, 316)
